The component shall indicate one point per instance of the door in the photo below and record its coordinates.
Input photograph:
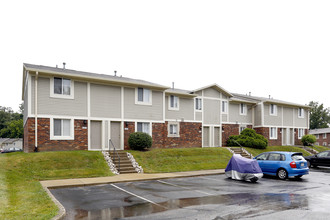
(216, 136)
(115, 135)
(96, 135)
(284, 136)
(206, 136)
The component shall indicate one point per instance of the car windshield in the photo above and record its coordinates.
(297, 157)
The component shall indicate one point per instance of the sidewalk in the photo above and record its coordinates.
(125, 178)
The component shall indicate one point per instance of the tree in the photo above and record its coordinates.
(319, 116)
(14, 129)
(308, 139)
(248, 138)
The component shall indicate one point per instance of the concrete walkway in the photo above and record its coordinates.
(124, 178)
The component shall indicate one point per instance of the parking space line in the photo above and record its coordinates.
(171, 184)
(202, 177)
(147, 200)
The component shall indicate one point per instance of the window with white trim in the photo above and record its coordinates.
(317, 136)
(144, 96)
(143, 127)
(242, 109)
(173, 129)
(62, 86)
(325, 136)
(241, 128)
(300, 113)
(301, 133)
(273, 109)
(273, 133)
(324, 144)
(173, 102)
(224, 106)
(61, 129)
(198, 104)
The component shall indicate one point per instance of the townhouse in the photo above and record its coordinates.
(322, 136)
(76, 110)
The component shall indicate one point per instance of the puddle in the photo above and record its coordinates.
(262, 202)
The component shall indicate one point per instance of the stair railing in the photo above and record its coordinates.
(243, 149)
(115, 154)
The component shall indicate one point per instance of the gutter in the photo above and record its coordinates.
(36, 113)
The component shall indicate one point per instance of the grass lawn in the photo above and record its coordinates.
(256, 152)
(21, 194)
(182, 159)
(320, 148)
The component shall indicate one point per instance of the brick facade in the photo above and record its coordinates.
(323, 141)
(80, 141)
(271, 142)
(229, 130)
(129, 127)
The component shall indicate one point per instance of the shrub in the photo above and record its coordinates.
(308, 139)
(248, 138)
(139, 141)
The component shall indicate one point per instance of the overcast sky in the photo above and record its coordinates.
(277, 48)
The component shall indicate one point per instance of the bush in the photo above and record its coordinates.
(308, 139)
(139, 141)
(248, 138)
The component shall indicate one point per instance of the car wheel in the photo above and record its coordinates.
(282, 174)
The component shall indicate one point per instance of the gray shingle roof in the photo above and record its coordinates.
(96, 76)
(320, 131)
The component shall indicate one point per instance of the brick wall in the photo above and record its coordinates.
(271, 142)
(227, 131)
(80, 141)
(321, 140)
(129, 127)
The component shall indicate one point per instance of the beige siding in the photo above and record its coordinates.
(146, 112)
(58, 106)
(287, 116)
(211, 111)
(257, 115)
(105, 101)
(271, 120)
(199, 93)
(234, 113)
(210, 92)
(186, 109)
(26, 102)
(224, 117)
(199, 116)
(300, 122)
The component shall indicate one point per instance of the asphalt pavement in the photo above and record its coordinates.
(201, 197)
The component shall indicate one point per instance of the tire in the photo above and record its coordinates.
(282, 174)
(254, 179)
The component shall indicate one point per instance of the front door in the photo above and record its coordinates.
(96, 135)
(206, 136)
(115, 135)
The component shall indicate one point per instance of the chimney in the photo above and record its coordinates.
(56, 66)
(115, 72)
(172, 85)
(249, 93)
(64, 65)
(269, 96)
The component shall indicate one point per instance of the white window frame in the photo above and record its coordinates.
(317, 136)
(324, 144)
(242, 109)
(61, 96)
(150, 127)
(301, 133)
(241, 128)
(53, 137)
(273, 136)
(301, 113)
(273, 113)
(176, 101)
(325, 136)
(224, 107)
(149, 102)
(198, 104)
(177, 124)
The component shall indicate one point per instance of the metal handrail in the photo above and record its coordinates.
(115, 153)
(243, 149)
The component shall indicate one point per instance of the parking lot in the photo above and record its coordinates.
(203, 197)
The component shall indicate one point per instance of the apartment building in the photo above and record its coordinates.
(76, 110)
(322, 136)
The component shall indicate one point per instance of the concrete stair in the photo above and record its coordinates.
(238, 150)
(125, 163)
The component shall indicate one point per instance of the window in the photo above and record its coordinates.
(61, 88)
(143, 127)
(273, 109)
(276, 157)
(242, 109)
(324, 144)
(173, 129)
(301, 133)
(61, 129)
(241, 128)
(143, 96)
(224, 106)
(173, 102)
(272, 133)
(262, 156)
(300, 113)
(325, 136)
(198, 104)
(317, 136)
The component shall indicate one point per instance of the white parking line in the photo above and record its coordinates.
(171, 184)
(202, 177)
(147, 200)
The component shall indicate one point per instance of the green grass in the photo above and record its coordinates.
(321, 148)
(182, 159)
(256, 152)
(21, 194)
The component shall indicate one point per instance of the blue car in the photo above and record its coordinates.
(283, 164)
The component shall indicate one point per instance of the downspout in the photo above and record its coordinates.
(36, 113)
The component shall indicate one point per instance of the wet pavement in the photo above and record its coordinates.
(202, 197)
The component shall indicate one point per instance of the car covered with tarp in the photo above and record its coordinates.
(241, 168)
